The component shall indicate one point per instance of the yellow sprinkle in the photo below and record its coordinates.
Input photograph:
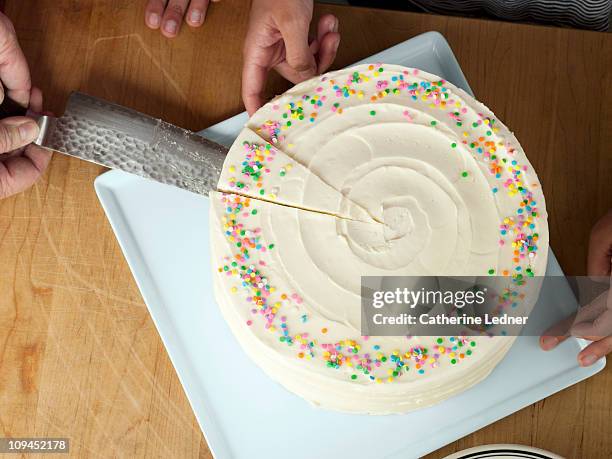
(234, 289)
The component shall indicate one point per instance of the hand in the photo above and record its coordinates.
(278, 38)
(169, 14)
(19, 167)
(593, 321)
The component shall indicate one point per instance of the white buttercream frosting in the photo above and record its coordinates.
(375, 170)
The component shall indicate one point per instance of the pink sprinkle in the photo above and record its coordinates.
(249, 322)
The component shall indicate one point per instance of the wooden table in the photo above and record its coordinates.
(79, 355)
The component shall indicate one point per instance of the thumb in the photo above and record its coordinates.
(298, 53)
(17, 132)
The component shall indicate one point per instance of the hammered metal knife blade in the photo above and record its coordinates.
(118, 137)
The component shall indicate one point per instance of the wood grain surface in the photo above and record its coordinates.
(79, 354)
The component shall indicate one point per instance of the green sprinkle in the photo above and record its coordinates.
(440, 340)
(433, 123)
(491, 271)
(271, 246)
(453, 145)
(464, 174)
(353, 376)
(372, 112)
(473, 343)
(454, 361)
(254, 212)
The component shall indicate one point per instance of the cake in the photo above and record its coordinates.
(375, 170)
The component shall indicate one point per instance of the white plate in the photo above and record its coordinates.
(163, 232)
(504, 452)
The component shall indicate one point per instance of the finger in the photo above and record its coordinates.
(20, 172)
(601, 326)
(153, 13)
(595, 351)
(17, 132)
(600, 247)
(14, 71)
(556, 334)
(328, 51)
(548, 342)
(196, 13)
(173, 16)
(36, 100)
(591, 311)
(253, 84)
(298, 54)
(328, 23)
(289, 73)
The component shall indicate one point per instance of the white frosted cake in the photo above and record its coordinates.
(376, 170)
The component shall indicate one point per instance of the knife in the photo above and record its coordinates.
(118, 137)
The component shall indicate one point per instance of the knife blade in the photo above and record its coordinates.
(117, 137)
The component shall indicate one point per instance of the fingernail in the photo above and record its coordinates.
(588, 360)
(28, 131)
(549, 342)
(170, 26)
(195, 17)
(334, 26)
(336, 45)
(154, 19)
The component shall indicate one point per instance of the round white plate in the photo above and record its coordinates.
(504, 452)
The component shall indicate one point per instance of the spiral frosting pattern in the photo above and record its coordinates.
(375, 170)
